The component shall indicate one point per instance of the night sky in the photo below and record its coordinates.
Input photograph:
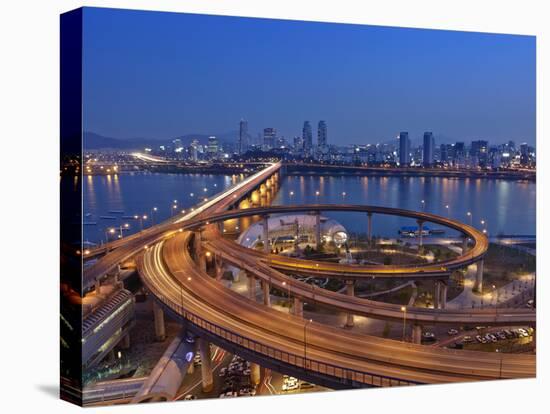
(161, 75)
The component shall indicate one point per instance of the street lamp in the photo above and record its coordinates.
(153, 211)
(305, 341)
(404, 310)
(448, 211)
(423, 204)
(126, 225)
(469, 214)
(107, 232)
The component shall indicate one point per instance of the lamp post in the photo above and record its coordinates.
(404, 310)
(422, 204)
(126, 225)
(153, 211)
(469, 214)
(144, 217)
(448, 211)
(107, 232)
(305, 342)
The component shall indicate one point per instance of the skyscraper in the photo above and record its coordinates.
(322, 136)
(404, 148)
(478, 152)
(243, 136)
(428, 149)
(213, 147)
(308, 139)
(269, 138)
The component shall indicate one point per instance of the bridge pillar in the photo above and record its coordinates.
(416, 334)
(298, 308)
(443, 295)
(219, 268)
(255, 375)
(464, 245)
(255, 198)
(265, 290)
(125, 343)
(265, 234)
(479, 277)
(199, 254)
(350, 291)
(263, 190)
(191, 368)
(206, 365)
(251, 286)
(437, 294)
(420, 229)
(160, 329)
(318, 230)
(369, 228)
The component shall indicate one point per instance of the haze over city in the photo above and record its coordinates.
(369, 83)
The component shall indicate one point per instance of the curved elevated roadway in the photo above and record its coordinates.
(351, 271)
(225, 249)
(129, 246)
(340, 358)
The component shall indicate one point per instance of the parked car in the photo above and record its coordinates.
(452, 331)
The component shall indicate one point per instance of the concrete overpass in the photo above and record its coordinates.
(326, 355)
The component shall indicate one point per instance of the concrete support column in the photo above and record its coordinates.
(298, 308)
(265, 234)
(265, 290)
(318, 230)
(125, 343)
(369, 228)
(416, 334)
(160, 329)
(437, 294)
(479, 277)
(219, 268)
(191, 368)
(206, 365)
(420, 229)
(251, 286)
(350, 291)
(464, 245)
(199, 253)
(255, 373)
(443, 296)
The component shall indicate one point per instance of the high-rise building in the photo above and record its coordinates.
(524, 154)
(194, 150)
(213, 147)
(428, 149)
(322, 136)
(298, 145)
(404, 148)
(308, 139)
(479, 152)
(243, 136)
(444, 153)
(269, 138)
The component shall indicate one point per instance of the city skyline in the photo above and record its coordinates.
(462, 86)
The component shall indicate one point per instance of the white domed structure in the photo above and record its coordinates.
(292, 227)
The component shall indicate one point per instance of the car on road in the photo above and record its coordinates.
(452, 331)
(428, 336)
(467, 339)
(190, 397)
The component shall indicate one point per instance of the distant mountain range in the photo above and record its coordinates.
(97, 141)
